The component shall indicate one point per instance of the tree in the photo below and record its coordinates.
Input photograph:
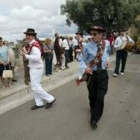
(113, 14)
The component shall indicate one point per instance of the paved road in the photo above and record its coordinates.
(69, 118)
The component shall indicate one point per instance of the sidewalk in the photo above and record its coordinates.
(20, 93)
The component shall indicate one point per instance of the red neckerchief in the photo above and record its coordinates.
(98, 57)
(96, 60)
(34, 44)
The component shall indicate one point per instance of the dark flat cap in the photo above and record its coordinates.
(97, 28)
(122, 30)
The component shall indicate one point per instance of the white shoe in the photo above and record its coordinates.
(115, 75)
(122, 73)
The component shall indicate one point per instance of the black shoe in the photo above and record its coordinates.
(14, 80)
(36, 107)
(26, 82)
(48, 105)
(93, 124)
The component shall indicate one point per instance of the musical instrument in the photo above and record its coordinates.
(137, 46)
(126, 45)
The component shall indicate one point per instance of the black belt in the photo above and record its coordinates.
(96, 71)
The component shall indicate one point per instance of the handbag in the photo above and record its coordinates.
(7, 73)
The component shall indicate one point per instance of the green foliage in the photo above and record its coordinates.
(112, 14)
(135, 38)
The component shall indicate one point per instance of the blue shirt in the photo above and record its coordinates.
(89, 53)
(4, 54)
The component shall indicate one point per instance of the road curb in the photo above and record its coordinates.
(26, 94)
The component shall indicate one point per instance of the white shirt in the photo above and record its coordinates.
(35, 60)
(75, 42)
(119, 41)
(65, 44)
(71, 43)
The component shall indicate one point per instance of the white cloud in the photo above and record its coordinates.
(3, 19)
(29, 13)
(44, 16)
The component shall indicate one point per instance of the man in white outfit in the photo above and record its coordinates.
(36, 71)
(121, 55)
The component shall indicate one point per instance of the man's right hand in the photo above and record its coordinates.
(88, 70)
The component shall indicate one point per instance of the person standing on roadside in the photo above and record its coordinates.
(48, 56)
(111, 40)
(71, 49)
(4, 63)
(80, 43)
(11, 59)
(24, 48)
(58, 51)
(65, 47)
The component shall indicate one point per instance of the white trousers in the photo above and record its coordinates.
(39, 92)
(63, 61)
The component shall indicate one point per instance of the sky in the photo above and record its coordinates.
(42, 15)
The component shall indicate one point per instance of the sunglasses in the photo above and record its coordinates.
(29, 35)
(94, 34)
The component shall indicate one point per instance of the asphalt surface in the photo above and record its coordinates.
(68, 119)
